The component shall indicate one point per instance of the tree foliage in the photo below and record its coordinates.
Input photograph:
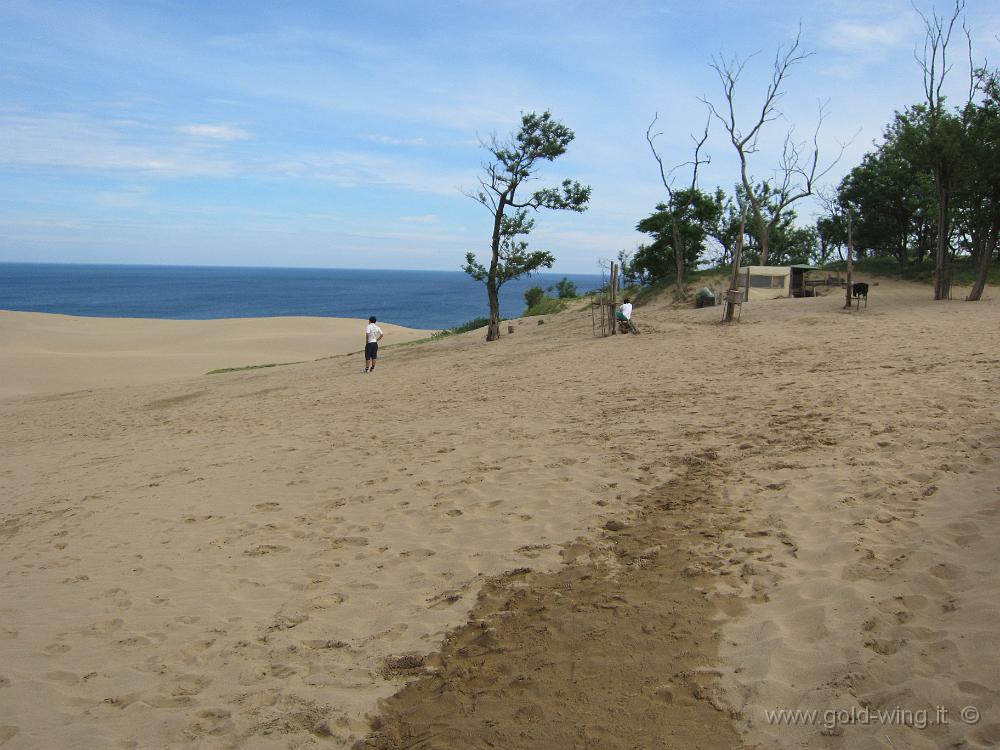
(693, 224)
(514, 161)
(931, 186)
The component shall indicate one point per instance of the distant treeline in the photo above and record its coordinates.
(935, 170)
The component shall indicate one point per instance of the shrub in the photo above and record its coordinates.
(565, 289)
(470, 326)
(546, 306)
(533, 296)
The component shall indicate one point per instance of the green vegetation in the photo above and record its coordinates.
(471, 325)
(964, 271)
(923, 204)
(928, 195)
(515, 161)
(546, 306)
(251, 367)
(533, 296)
(564, 289)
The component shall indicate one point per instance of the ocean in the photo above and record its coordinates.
(416, 299)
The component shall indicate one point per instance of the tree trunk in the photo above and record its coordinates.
(765, 243)
(986, 255)
(679, 257)
(492, 287)
(737, 252)
(941, 254)
(493, 292)
(850, 261)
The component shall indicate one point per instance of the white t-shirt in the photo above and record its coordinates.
(627, 310)
(373, 332)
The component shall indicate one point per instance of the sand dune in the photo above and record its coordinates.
(42, 353)
(799, 511)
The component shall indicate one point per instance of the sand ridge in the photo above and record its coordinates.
(45, 353)
(234, 560)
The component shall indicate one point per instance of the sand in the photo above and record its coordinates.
(553, 540)
(42, 353)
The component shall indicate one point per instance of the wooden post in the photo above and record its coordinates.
(737, 252)
(612, 306)
(850, 258)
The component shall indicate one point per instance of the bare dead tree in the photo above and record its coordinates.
(798, 168)
(679, 200)
(933, 62)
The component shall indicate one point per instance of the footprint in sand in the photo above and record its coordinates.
(106, 627)
(56, 648)
(349, 541)
(191, 649)
(325, 601)
(267, 506)
(946, 571)
(988, 736)
(213, 722)
(287, 621)
(392, 634)
(8, 732)
(265, 549)
(314, 582)
(168, 701)
(281, 671)
(444, 599)
(134, 641)
(188, 685)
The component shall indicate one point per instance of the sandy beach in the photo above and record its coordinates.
(552, 540)
(42, 353)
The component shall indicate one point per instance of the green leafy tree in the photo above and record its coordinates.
(831, 234)
(675, 211)
(671, 230)
(892, 194)
(978, 194)
(515, 160)
(726, 230)
(533, 295)
(564, 289)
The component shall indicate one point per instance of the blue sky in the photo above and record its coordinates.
(342, 134)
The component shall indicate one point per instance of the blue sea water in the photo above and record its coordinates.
(417, 299)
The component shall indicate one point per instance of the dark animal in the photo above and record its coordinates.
(860, 290)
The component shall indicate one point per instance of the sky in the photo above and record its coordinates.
(345, 134)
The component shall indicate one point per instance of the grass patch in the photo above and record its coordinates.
(547, 306)
(963, 270)
(251, 367)
(471, 325)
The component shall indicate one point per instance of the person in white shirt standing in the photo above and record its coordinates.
(373, 334)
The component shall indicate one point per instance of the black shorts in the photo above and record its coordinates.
(371, 350)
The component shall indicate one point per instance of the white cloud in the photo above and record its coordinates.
(389, 140)
(852, 36)
(216, 132)
(79, 142)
